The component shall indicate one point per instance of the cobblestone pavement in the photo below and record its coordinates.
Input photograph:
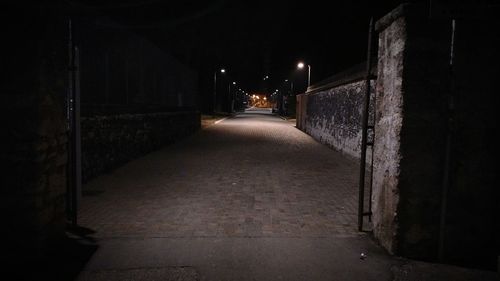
(247, 198)
(253, 175)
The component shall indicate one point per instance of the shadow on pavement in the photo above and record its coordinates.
(64, 260)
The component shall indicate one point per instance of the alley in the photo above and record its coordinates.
(249, 198)
(129, 156)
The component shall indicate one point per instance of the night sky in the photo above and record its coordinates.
(252, 39)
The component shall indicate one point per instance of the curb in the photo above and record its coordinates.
(220, 120)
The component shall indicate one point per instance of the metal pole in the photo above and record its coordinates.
(70, 121)
(447, 156)
(308, 75)
(366, 107)
(74, 144)
(77, 135)
(126, 81)
(228, 100)
(215, 92)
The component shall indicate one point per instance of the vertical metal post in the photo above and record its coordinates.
(74, 144)
(447, 156)
(215, 92)
(364, 125)
(228, 100)
(308, 75)
(370, 188)
(77, 150)
(69, 122)
(106, 78)
(127, 90)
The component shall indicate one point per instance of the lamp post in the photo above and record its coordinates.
(230, 98)
(301, 65)
(222, 70)
(290, 91)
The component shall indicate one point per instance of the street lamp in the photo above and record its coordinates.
(301, 65)
(222, 70)
(231, 98)
(291, 86)
(234, 83)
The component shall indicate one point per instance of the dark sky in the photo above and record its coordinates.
(252, 39)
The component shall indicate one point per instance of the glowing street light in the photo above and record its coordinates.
(301, 65)
(222, 70)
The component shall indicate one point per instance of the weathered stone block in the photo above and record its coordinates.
(34, 127)
(109, 141)
(389, 122)
(333, 116)
(415, 87)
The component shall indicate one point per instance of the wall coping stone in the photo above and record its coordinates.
(403, 10)
(353, 74)
(392, 16)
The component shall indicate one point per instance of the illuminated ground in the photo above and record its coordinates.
(253, 175)
(248, 198)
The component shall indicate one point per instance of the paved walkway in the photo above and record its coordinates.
(249, 198)
(253, 175)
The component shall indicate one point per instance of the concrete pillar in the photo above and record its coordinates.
(425, 101)
(34, 135)
(411, 103)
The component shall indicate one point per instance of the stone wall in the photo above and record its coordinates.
(135, 96)
(332, 112)
(108, 141)
(387, 153)
(427, 203)
(34, 137)
(334, 117)
(473, 199)
(423, 103)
